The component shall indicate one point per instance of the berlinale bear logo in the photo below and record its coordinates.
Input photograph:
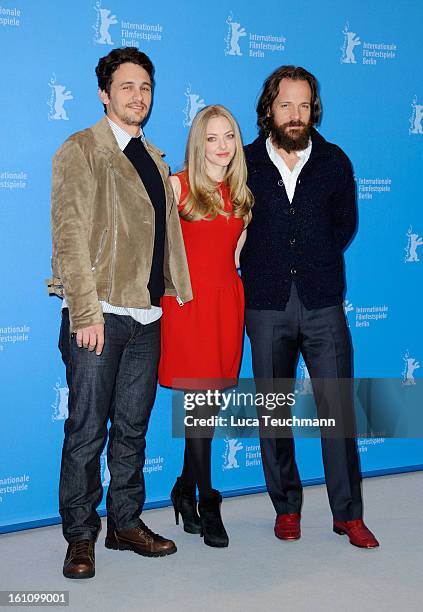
(59, 95)
(414, 241)
(193, 105)
(235, 32)
(416, 117)
(60, 405)
(410, 365)
(351, 41)
(232, 446)
(104, 20)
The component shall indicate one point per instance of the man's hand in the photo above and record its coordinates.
(91, 337)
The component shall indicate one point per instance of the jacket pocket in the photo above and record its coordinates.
(100, 248)
(54, 286)
(328, 279)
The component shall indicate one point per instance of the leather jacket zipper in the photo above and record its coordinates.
(100, 249)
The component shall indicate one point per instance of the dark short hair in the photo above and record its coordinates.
(108, 64)
(271, 89)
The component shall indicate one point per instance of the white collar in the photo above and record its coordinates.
(122, 135)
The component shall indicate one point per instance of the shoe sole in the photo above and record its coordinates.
(289, 538)
(341, 532)
(215, 545)
(81, 576)
(126, 546)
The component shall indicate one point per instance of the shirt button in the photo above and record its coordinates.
(293, 271)
(292, 211)
(292, 241)
(280, 183)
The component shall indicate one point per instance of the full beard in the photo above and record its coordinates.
(291, 139)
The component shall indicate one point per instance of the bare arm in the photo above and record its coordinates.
(241, 242)
(176, 186)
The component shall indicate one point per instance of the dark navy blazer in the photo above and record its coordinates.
(303, 240)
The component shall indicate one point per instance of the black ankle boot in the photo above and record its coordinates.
(185, 503)
(212, 527)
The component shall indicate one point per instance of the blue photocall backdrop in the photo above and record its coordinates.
(367, 57)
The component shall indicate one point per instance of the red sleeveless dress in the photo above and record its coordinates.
(202, 339)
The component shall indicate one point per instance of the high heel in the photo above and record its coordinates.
(176, 512)
(212, 527)
(185, 504)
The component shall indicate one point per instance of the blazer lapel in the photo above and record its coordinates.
(118, 162)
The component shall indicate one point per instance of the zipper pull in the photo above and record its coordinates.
(180, 302)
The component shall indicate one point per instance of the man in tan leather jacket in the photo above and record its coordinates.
(117, 248)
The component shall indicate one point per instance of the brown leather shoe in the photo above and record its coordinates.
(141, 540)
(287, 526)
(357, 532)
(80, 560)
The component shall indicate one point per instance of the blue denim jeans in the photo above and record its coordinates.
(119, 385)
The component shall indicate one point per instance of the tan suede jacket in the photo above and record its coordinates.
(103, 228)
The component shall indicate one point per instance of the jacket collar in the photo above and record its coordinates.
(104, 137)
(106, 142)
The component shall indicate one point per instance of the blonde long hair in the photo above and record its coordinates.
(204, 200)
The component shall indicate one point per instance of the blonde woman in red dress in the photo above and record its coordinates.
(202, 340)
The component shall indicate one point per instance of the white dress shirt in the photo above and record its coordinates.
(289, 177)
(142, 315)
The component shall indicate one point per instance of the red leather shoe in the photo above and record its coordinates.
(357, 532)
(287, 526)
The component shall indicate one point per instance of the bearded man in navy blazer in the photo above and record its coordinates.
(293, 272)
